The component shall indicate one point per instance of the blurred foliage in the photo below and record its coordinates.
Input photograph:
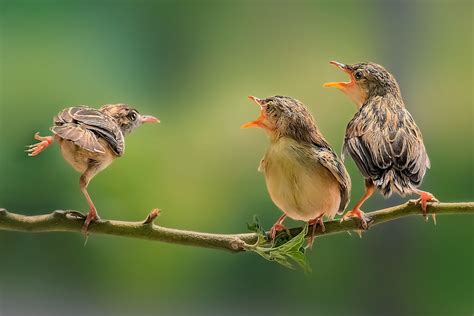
(192, 64)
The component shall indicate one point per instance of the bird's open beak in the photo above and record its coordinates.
(259, 121)
(149, 119)
(341, 85)
(355, 93)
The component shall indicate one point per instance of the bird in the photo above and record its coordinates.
(382, 138)
(304, 177)
(90, 140)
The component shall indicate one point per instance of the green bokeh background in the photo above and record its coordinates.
(192, 64)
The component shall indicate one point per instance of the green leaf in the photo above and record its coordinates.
(301, 260)
(255, 226)
(287, 252)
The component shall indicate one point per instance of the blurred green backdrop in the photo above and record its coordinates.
(192, 64)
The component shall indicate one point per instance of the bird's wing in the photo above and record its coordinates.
(80, 136)
(95, 122)
(328, 158)
(380, 139)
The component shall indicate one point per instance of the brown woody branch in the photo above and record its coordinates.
(73, 221)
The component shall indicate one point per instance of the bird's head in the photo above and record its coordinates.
(127, 117)
(283, 116)
(366, 80)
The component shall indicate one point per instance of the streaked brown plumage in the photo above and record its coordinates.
(382, 137)
(304, 176)
(91, 139)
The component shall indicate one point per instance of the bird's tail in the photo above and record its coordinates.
(394, 181)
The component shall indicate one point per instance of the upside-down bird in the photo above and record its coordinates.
(382, 137)
(90, 139)
(305, 178)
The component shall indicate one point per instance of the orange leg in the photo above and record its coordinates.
(426, 197)
(37, 148)
(356, 211)
(84, 182)
(278, 226)
(315, 222)
(92, 215)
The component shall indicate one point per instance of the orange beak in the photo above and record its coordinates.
(149, 119)
(341, 85)
(259, 122)
(351, 88)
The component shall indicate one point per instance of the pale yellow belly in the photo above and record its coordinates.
(302, 191)
(80, 158)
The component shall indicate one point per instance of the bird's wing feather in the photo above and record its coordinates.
(96, 122)
(329, 159)
(380, 139)
(80, 136)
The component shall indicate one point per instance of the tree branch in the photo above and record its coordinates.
(73, 221)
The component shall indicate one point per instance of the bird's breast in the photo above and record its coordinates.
(297, 183)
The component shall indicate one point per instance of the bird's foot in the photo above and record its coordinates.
(356, 212)
(277, 227)
(36, 149)
(91, 216)
(425, 198)
(315, 222)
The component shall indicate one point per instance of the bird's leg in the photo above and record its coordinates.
(426, 197)
(36, 149)
(84, 182)
(315, 222)
(278, 226)
(356, 211)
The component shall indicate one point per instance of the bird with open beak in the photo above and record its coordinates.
(90, 140)
(304, 176)
(382, 137)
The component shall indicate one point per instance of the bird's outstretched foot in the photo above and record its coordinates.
(356, 212)
(36, 149)
(315, 222)
(426, 197)
(91, 216)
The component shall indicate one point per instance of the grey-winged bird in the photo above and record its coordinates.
(90, 139)
(305, 178)
(382, 137)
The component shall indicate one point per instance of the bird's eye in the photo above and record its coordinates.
(133, 116)
(358, 75)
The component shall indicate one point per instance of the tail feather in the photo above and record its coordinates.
(395, 181)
